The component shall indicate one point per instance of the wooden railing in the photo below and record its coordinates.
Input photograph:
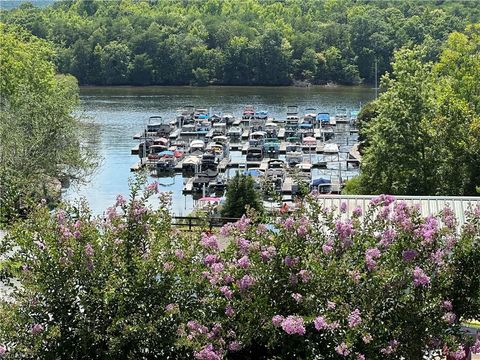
(189, 223)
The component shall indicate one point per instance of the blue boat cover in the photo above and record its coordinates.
(166, 153)
(253, 172)
(319, 181)
(323, 117)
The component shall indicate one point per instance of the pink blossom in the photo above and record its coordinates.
(355, 275)
(409, 255)
(289, 222)
(459, 354)
(291, 261)
(331, 305)
(293, 325)
(360, 357)
(370, 256)
(207, 353)
(209, 241)
(168, 266)
(243, 223)
(342, 349)
(61, 214)
(297, 297)
(302, 231)
(229, 311)
(385, 199)
(196, 328)
(344, 231)
(76, 234)
(334, 325)
(36, 329)
(277, 320)
(367, 338)
(320, 323)
(327, 247)
(217, 267)
(420, 278)
(354, 319)
(357, 212)
(171, 308)
(343, 207)
(448, 218)
(293, 279)
(225, 290)
(387, 237)
(153, 187)
(449, 317)
(234, 346)
(475, 349)
(243, 245)
(210, 259)
(3, 350)
(120, 201)
(244, 262)
(179, 254)
(305, 275)
(391, 348)
(447, 305)
(89, 250)
(245, 282)
(437, 257)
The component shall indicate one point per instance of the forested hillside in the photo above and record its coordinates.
(237, 42)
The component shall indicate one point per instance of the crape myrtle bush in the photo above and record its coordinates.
(387, 283)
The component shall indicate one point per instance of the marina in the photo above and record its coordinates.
(116, 114)
(282, 153)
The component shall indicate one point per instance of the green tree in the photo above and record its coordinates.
(423, 137)
(240, 195)
(40, 139)
(141, 70)
(114, 60)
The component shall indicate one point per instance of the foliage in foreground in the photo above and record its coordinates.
(384, 284)
(40, 140)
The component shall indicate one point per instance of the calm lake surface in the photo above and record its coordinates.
(120, 112)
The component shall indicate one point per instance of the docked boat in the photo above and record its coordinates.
(248, 112)
(271, 130)
(262, 114)
(196, 146)
(157, 126)
(219, 129)
(166, 164)
(330, 148)
(354, 117)
(191, 165)
(275, 173)
(309, 143)
(257, 138)
(272, 146)
(235, 134)
(294, 158)
(341, 115)
(322, 185)
(229, 119)
(255, 153)
(323, 119)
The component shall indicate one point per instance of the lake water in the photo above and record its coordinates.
(120, 112)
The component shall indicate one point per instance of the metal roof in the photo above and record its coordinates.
(429, 205)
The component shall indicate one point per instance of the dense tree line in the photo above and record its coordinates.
(237, 42)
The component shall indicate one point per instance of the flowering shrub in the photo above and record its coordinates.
(384, 284)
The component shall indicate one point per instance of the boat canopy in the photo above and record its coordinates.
(320, 181)
(197, 143)
(252, 172)
(323, 117)
(166, 153)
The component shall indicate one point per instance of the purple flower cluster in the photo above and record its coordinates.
(342, 349)
(344, 230)
(293, 325)
(209, 241)
(382, 199)
(390, 348)
(245, 282)
(207, 353)
(370, 256)
(419, 277)
(354, 319)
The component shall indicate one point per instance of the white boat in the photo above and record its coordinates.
(330, 148)
(196, 146)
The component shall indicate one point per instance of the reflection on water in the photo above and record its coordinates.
(120, 112)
